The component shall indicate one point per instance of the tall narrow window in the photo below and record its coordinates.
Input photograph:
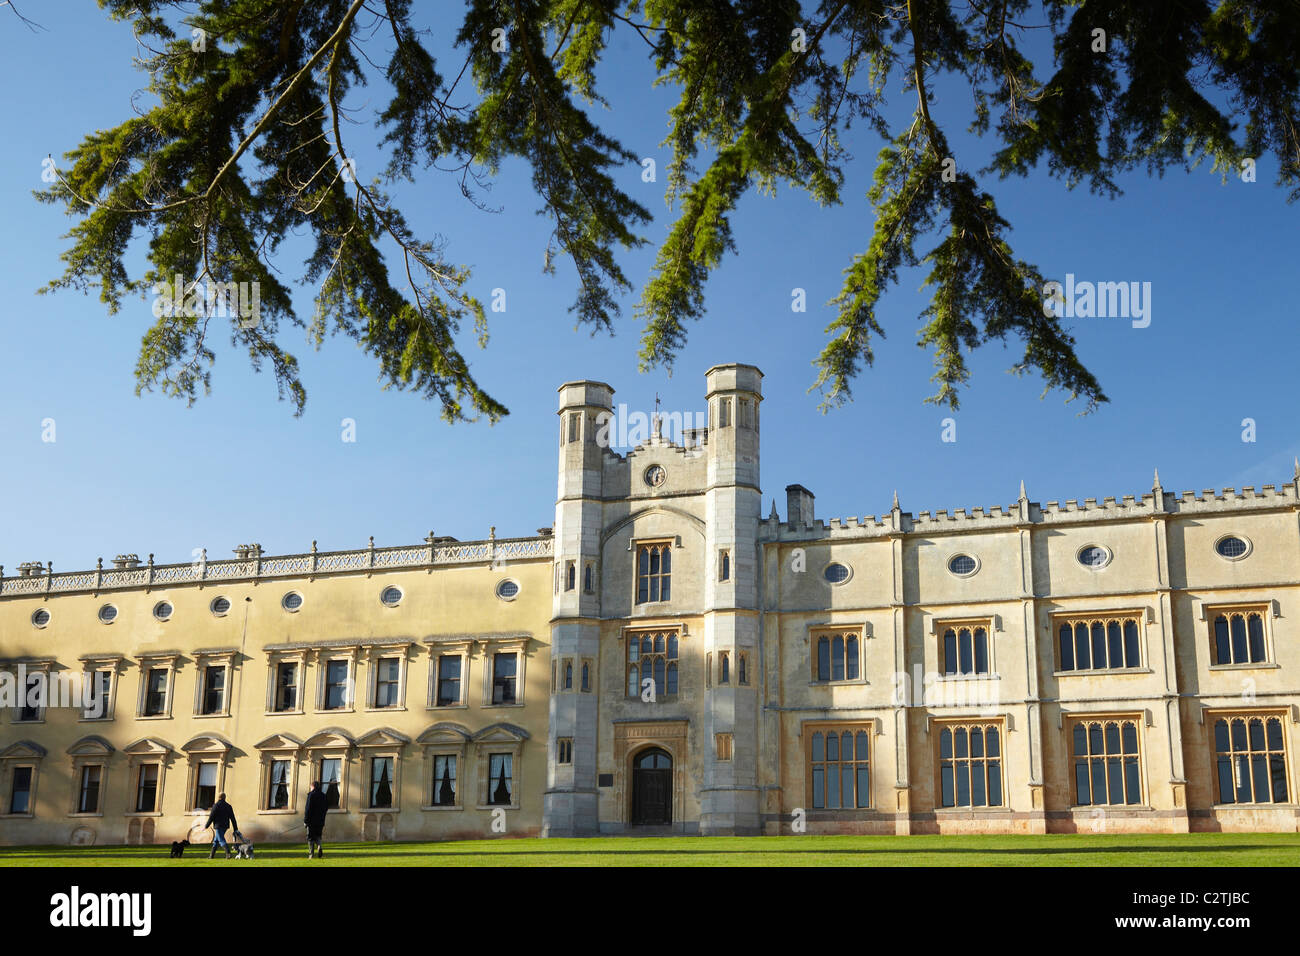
(654, 568)
(20, 794)
(331, 781)
(448, 680)
(278, 796)
(97, 705)
(444, 780)
(586, 677)
(837, 657)
(574, 423)
(214, 689)
(568, 675)
(970, 765)
(1250, 758)
(336, 685)
(503, 678)
(31, 705)
(381, 782)
(570, 576)
(722, 743)
(386, 681)
(839, 769)
(500, 779)
(589, 580)
(564, 750)
(146, 790)
(724, 566)
(88, 793)
(1106, 767)
(286, 686)
(205, 786)
(155, 695)
(724, 413)
(742, 669)
(724, 667)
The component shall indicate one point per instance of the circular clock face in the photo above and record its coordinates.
(655, 476)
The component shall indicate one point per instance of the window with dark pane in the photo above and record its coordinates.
(837, 657)
(965, 650)
(1250, 759)
(1239, 637)
(652, 655)
(839, 772)
(970, 765)
(1104, 643)
(653, 572)
(1107, 767)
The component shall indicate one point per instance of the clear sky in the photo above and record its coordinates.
(148, 474)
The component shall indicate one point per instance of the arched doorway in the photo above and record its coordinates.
(652, 788)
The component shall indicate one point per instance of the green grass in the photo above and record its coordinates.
(1148, 850)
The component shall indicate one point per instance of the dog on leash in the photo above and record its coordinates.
(244, 848)
(178, 848)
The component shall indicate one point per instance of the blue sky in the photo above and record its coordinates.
(148, 474)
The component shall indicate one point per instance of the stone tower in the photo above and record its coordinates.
(729, 795)
(571, 797)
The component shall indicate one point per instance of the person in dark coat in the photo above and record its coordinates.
(314, 817)
(221, 818)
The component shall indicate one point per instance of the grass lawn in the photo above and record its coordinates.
(1149, 850)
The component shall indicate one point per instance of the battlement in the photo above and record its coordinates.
(1025, 511)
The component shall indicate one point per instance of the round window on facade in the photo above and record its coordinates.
(1232, 547)
(41, 618)
(836, 573)
(107, 614)
(507, 590)
(391, 597)
(220, 606)
(1094, 556)
(963, 565)
(291, 601)
(162, 610)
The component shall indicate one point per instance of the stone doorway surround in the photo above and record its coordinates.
(633, 736)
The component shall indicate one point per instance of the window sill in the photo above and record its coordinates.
(225, 714)
(84, 816)
(336, 710)
(998, 809)
(284, 713)
(1262, 665)
(517, 703)
(857, 682)
(145, 813)
(382, 810)
(1101, 672)
(288, 811)
(1140, 807)
(447, 707)
(966, 677)
(154, 717)
(27, 723)
(1255, 806)
(385, 710)
(497, 806)
(452, 806)
(94, 720)
(17, 816)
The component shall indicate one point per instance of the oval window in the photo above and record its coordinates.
(1094, 556)
(391, 597)
(162, 610)
(1232, 547)
(41, 618)
(220, 606)
(107, 614)
(962, 565)
(291, 601)
(836, 573)
(507, 590)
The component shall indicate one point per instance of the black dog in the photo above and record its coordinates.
(178, 849)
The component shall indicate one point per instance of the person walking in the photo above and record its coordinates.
(314, 817)
(221, 818)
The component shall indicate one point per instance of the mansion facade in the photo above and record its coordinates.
(666, 659)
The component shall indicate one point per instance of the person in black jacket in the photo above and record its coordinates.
(314, 817)
(221, 819)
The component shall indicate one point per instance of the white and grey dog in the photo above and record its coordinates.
(244, 848)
